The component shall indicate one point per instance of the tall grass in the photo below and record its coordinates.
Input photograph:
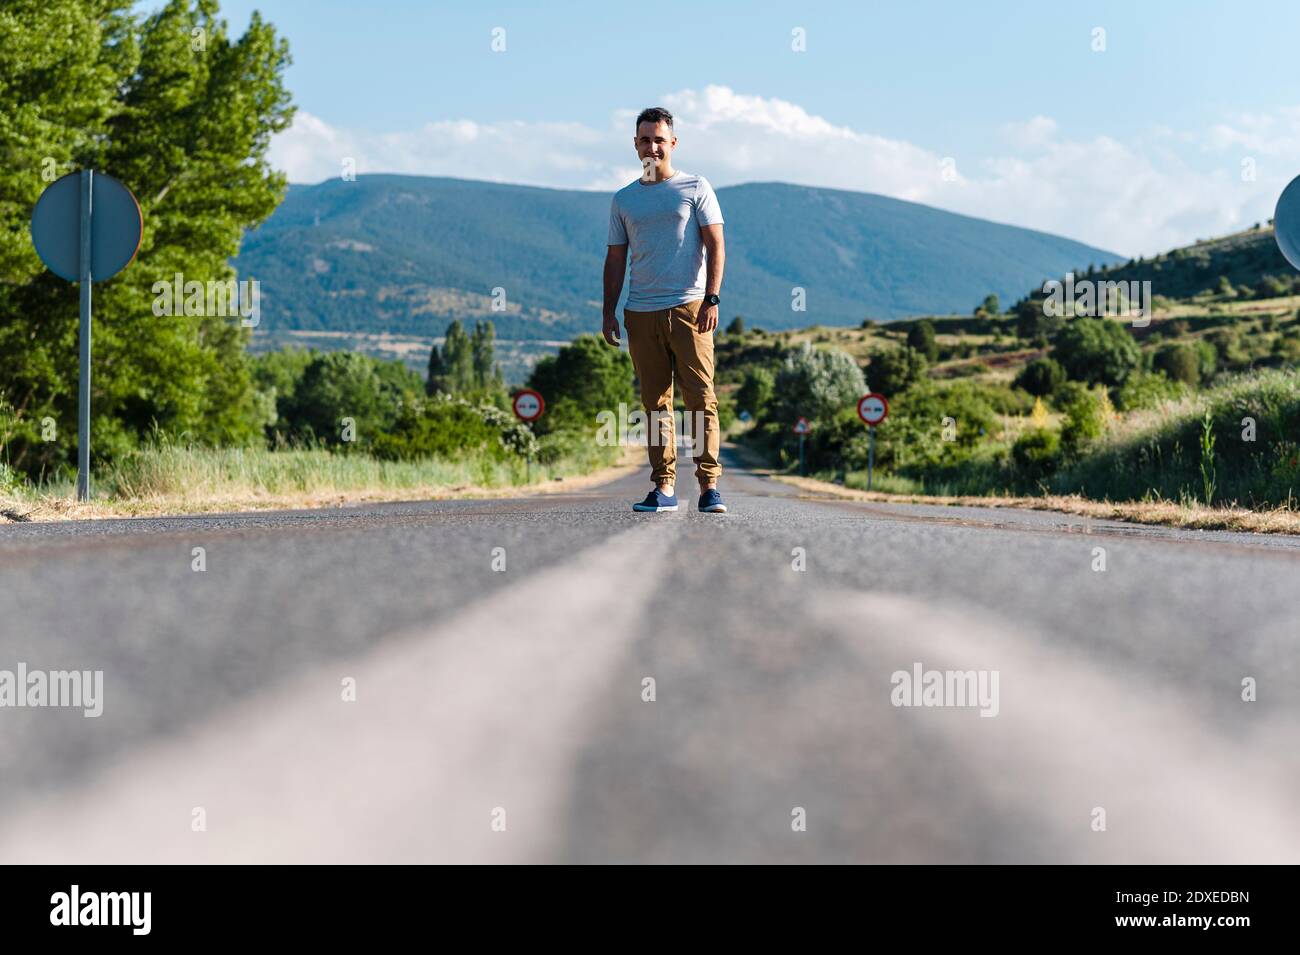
(184, 473)
(1234, 443)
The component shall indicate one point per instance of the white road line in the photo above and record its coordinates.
(489, 709)
(1070, 736)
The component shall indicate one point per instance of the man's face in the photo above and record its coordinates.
(654, 145)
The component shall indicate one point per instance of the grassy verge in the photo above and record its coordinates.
(172, 479)
(1163, 513)
(1157, 455)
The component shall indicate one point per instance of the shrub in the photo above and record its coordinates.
(1035, 452)
(1096, 351)
(921, 337)
(756, 391)
(914, 435)
(583, 379)
(345, 385)
(445, 426)
(895, 369)
(815, 383)
(1179, 362)
(1085, 421)
(1146, 389)
(1041, 377)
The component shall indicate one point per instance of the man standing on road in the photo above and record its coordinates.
(669, 219)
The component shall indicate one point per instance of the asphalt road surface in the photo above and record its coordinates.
(469, 681)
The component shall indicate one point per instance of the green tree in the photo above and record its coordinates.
(989, 306)
(346, 385)
(483, 360)
(934, 425)
(1035, 452)
(815, 383)
(458, 359)
(1030, 321)
(1146, 390)
(895, 369)
(921, 337)
(1095, 350)
(60, 65)
(1041, 377)
(585, 378)
(1179, 362)
(737, 326)
(435, 379)
(1085, 421)
(187, 129)
(756, 391)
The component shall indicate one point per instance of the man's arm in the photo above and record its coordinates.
(615, 269)
(714, 245)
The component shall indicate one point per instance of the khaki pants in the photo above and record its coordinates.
(663, 345)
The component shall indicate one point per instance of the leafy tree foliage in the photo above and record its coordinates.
(1096, 351)
(583, 379)
(181, 112)
(921, 337)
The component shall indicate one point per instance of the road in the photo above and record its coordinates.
(501, 711)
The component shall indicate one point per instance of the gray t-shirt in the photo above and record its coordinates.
(659, 222)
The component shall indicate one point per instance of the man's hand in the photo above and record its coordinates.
(707, 319)
(610, 329)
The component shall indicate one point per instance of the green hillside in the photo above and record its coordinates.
(1244, 264)
(406, 254)
(1198, 405)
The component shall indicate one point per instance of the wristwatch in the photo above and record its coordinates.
(712, 299)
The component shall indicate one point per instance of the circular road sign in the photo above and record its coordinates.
(529, 405)
(873, 408)
(116, 226)
(1286, 222)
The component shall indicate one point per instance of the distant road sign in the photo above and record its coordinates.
(116, 226)
(873, 408)
(802, 426)
(529, 405)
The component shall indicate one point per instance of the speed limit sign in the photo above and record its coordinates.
(873, 408)
(529, 405)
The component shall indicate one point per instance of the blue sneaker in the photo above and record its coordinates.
(711, 502)
(657, 500)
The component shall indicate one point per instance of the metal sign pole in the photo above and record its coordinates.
(801, 455)
(81, 238)
(871, 454)
(83, 388)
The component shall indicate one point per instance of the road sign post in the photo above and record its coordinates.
(871, 454)
(86, 226)
(873, 408)
(528, 406)
(83, 387)
(801, 428)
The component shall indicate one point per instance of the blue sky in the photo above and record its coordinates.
(1186, 124)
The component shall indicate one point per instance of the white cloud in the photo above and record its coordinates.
(1034, 132)
(1129, 196)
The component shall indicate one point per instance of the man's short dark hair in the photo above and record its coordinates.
(655, 114)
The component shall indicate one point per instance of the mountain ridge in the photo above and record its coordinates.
(407, 254)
